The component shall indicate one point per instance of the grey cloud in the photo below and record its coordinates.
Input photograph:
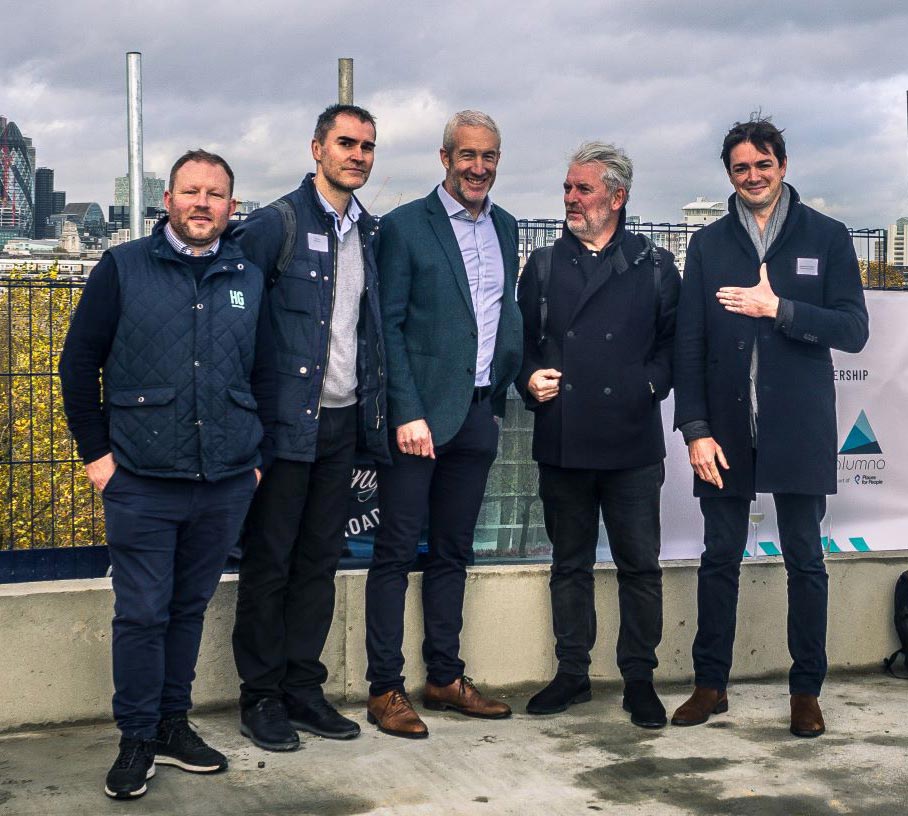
(663, 79)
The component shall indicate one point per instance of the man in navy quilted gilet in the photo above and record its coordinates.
(177, 324)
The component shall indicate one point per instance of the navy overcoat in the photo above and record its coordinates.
(812, 264)
(613, 346)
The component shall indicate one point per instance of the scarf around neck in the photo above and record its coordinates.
(763, 241)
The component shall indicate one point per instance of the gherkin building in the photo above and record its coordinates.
(17, 178)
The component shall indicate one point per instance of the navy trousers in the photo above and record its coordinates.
(725, 537)
(450, 488)
(168, 541)
(629, 502)
(292, 542)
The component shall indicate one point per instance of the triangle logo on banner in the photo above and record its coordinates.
(861, 439)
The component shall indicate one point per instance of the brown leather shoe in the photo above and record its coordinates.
(806, 717)
(393, 713)
(698, 707)
(464, 697)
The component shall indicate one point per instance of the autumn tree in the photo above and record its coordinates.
(46, 499)
(880, 275)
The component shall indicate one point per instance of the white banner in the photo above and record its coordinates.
(869, 511)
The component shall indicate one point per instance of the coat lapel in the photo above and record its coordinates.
(441, 225)
(506, 240)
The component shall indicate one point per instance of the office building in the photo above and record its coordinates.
(152, 191)
(702, 212)
(897, 243)
(44, 199)
(17, 177)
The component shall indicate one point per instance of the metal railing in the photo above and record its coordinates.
(45, 499)
(870, 245)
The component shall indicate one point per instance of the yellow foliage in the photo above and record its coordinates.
(880, 275)
(46, 499)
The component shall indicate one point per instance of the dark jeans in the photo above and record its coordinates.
(168, 540)
(725, 528)
(629, 502)
(292, 542)
(450, 487)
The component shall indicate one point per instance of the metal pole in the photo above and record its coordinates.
(134, 137)
(345, 81)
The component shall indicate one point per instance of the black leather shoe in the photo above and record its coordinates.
(644, 705)
(318, 716)
(266, 724)
(563, 691)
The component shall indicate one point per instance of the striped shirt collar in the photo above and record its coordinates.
(182, 248)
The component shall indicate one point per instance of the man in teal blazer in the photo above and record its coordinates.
(453, 339)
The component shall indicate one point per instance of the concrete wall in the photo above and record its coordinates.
(55, 647)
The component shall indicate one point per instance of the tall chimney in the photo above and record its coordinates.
(345, 81)
(134, 139)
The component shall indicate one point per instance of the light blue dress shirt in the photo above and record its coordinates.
(482, 259)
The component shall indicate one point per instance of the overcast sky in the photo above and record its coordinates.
(663, 79)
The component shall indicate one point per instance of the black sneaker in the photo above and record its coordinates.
(565, 690)
(318, 716)
(266, 724)
(134, 765)
(644, 705)
(177, 744)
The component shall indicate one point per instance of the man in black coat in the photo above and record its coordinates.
(768, 290)
(599, 321)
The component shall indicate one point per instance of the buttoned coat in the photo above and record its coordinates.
(428, 319)
(612, 340)
(813, 264)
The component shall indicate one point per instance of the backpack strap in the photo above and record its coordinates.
(284, 259)
(651, 251)
(543, 257)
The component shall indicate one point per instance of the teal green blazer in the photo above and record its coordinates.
(428, 321)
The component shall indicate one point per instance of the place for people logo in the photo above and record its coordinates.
(860, 459)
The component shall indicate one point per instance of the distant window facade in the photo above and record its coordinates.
(17, 172)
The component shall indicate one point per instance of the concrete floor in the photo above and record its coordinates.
(590, 760)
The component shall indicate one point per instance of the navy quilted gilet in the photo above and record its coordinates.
(177, 380)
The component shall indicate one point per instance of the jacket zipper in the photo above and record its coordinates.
(318, 409)
(381, 372)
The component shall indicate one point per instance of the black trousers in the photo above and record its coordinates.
(168, 540)
(725, 525)
(629, 502)
(450, 488)
(292, 542)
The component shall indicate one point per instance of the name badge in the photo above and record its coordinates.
(808, 266)
(319, 243)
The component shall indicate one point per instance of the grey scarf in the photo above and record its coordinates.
(762, 241)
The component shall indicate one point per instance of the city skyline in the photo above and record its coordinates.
(662, 80)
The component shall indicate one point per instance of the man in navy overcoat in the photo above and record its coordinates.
(768, 290)
(448, 271)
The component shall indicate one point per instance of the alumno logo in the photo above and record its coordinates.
(861, 456)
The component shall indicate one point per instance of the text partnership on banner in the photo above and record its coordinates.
(869, 511)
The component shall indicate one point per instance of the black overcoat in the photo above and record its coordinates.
(812, 264)
(613, 346)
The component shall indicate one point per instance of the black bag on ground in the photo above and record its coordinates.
(901, 626)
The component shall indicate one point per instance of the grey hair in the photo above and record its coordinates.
(617, 167)
(468, 118)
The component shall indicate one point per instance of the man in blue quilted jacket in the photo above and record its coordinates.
(178, 325)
